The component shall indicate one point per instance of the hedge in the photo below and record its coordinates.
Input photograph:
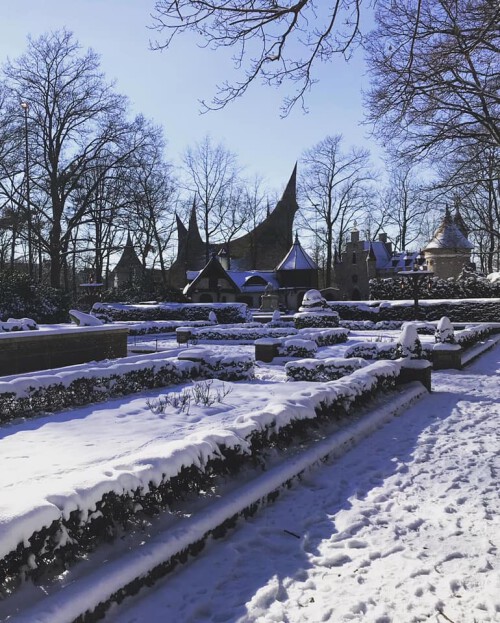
(328, 369)
(225, 312)
(50, 549)
(457, 310)
(63, 388)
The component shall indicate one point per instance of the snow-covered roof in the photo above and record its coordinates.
(297, 259)
(448, 236)
(384, 260)
(380, 250)
(246, 280)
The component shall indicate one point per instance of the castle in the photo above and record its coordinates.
(446, 254)
(269, 260)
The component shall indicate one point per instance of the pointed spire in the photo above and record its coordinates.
(193, 230)
(290, 192)
(181, 228)
(459, 221)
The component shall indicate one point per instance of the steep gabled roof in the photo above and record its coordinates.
(297, 259)
(129, 258)
(213, 267)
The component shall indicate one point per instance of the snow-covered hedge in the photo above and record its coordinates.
(297, 347)
(305, 320)
(372, 350)
(225, 312)
(322, 369)
(471, 335)
(73, 386)
(50, 536)
(231, 367)
(424, 328)
(388, 350)
(457, 310)
(325, 337)
(247, 334)
(239, 333)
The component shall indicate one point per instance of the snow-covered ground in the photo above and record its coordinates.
(404, 528)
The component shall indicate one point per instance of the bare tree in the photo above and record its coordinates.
(272, 42)
(472, 179)
(152, 187)
(75, 124)
(405, 206)
(334, 185)
(213, 173)
(436, 74)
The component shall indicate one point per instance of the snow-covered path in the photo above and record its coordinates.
(403, 528)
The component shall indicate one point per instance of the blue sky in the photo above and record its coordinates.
(167, 86)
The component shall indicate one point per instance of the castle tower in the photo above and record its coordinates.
(449, 250)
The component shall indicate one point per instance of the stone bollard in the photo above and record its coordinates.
(447, 356)
(266, 349)
(183, 335)
(416, 370)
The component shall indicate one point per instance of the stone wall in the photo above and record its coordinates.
(28, 351)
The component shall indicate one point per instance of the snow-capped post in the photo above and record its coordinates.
(315, 312)
(212, 317)
(409, 348)
(446, 353)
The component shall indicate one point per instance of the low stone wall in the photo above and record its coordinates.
(28, 351)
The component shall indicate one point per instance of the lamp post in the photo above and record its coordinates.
(416, 276)
(25, 106)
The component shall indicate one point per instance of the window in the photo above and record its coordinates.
(354, 257)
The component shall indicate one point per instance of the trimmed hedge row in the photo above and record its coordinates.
(322, 337)
(328, 369)
(63, 388)
(466, 310)
(226, 312)
(240, 333)
(389, 351)
(52, 548)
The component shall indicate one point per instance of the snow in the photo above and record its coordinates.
(403, 528)
(84, 320)
(400, 528)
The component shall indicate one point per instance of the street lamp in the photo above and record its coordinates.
(26, 107)
(416, 275)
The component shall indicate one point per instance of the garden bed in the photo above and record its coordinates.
(50, 526)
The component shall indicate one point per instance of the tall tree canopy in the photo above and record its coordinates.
(435, 69)
(271, 41)
(77, 131)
